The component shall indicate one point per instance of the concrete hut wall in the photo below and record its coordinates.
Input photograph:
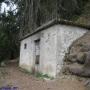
(48, 45)
(66, 36)
(54, 43)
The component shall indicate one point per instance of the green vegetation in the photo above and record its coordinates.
(84, 18)
(26, 20)
(42, 76)
(42, 11)
(9, 35)
(37, 74)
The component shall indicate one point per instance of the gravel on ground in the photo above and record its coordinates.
(16, 78)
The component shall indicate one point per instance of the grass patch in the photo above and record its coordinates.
(37, 74)
(42, 76)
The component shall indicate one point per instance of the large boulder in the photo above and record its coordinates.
(78, 57)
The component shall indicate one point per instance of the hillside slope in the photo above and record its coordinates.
(84, 18)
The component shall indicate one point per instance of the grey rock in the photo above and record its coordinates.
(72, 58)
(85, 48)
(86, 73)
(87, 61)
(76, 69)
(81, 57)
(3, 64)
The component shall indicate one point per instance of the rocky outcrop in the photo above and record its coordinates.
(77, 61)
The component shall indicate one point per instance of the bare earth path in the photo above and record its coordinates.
(23, 81)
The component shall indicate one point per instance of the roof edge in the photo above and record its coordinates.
(54, 22)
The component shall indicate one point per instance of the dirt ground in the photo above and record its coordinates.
(16, 78)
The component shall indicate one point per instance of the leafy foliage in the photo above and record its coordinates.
(32, 14)
(9, 32)
(37, 12)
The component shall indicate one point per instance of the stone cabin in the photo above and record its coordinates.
(44, 49)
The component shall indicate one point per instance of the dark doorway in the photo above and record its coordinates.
(37, 55)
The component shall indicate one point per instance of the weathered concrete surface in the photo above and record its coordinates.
(54, 43)
(65, 37)
(48, 45)
(79, 53)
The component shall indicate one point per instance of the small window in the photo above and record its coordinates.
(25, 46)
(37, 41)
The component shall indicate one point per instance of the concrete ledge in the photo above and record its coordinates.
(54, 22)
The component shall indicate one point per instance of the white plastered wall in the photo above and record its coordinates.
(48, 47)
(54, 43)
(66, 36)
